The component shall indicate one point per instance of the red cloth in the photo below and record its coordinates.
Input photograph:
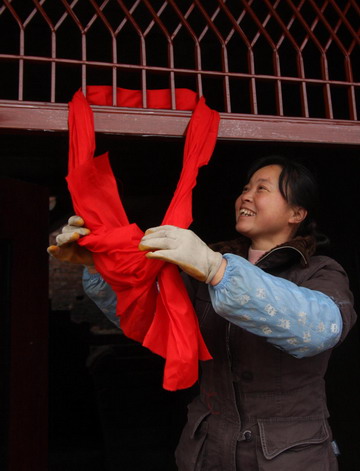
(153, 303)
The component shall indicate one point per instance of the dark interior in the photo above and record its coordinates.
(107, 409)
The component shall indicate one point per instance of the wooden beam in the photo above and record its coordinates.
(32, 116)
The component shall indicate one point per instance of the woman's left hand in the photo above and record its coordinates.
(183, 248)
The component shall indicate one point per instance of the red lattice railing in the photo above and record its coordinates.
(293, 59)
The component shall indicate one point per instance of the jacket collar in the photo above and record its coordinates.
(299, 248)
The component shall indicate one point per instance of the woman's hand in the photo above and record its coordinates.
(183, 248)
(66, 248)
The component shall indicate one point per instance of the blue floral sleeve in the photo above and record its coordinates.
(299, 320)
(101, 294)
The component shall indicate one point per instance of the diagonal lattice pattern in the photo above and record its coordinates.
(296, 58)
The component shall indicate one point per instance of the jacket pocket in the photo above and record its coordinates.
(190, 450)
(295, 444)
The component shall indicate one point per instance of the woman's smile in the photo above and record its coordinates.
(246, 212)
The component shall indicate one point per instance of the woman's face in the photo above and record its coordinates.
(262, 213)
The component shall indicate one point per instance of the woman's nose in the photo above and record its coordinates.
(246, 195)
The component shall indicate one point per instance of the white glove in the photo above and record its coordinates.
(72, 231)
(66, 248)
(183, 248)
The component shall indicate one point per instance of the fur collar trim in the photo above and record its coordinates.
(303, 247)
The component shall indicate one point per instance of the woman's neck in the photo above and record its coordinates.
(254, 255)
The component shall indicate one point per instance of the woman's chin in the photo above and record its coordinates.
(242, 227)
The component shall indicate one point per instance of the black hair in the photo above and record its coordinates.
(299, 188)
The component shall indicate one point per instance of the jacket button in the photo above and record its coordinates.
(247, 376)
(247, 435)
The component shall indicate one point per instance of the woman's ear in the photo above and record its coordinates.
(298, 215)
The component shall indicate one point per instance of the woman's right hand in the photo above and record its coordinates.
(66, 248)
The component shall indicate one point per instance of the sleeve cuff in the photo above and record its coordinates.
(230, 270)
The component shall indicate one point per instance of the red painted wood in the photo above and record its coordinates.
(53, 117)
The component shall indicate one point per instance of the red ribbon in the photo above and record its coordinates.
(153, 303)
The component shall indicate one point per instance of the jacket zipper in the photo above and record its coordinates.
(228, 345)
(234, 385)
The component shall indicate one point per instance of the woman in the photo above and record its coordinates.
(270, 315)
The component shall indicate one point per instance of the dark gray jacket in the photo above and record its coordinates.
(260, 408)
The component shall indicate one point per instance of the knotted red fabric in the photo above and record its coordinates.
(152, 301)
